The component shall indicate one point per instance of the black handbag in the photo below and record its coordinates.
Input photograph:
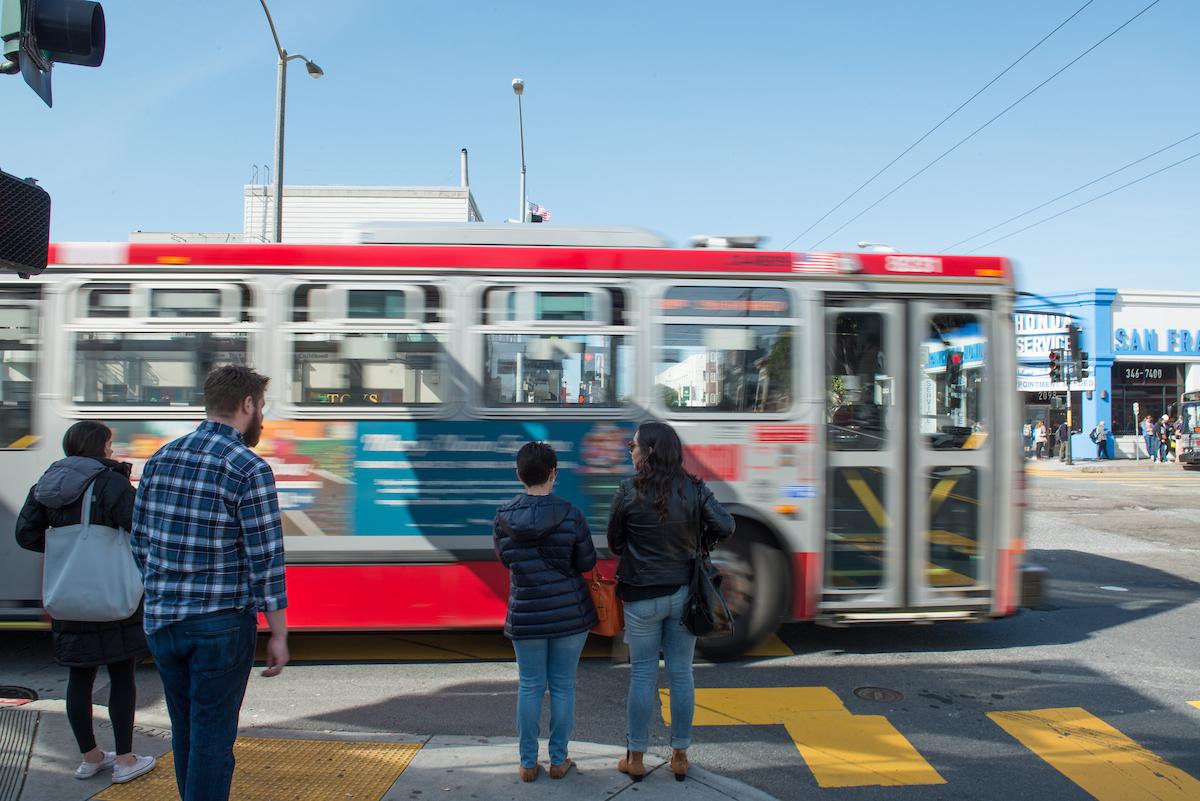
(705, 614)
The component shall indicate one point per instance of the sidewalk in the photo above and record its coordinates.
(319, 766)
(1094, 465)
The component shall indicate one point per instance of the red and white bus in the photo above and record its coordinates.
(857, 413)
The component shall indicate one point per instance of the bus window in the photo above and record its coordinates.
(18, 366)
(953, 380)
(563, 370)
(725, 368)
(365, 369)
(185, 302)
(859, 390)
(150, 368)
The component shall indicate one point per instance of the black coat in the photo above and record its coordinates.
(545, 543)
(56, 501)
(656, 552)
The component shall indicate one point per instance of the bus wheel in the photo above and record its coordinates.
(754, 583)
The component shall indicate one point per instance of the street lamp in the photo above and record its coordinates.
(518, 86)
(280, 103)
(878, 247)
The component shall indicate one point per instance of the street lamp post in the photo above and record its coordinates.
(518, 86)
(280, 105)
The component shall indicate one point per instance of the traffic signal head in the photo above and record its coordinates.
(954, 365)
(1073, 342)
(38, 33)
(1056, 367)
(24, 225)
(1083, 364)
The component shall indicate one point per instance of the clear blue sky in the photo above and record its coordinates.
(684, 118)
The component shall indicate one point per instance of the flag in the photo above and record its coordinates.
(538, 213)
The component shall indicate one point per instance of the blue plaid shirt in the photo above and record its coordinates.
(206, 528)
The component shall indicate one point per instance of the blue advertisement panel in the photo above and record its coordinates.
(438, 478)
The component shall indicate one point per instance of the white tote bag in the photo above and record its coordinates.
(89, 572)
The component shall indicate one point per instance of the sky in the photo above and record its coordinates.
(683, 118)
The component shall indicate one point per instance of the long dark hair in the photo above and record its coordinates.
(661, 467)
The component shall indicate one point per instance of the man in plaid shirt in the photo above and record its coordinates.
(208, 538)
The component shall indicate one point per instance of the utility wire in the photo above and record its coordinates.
(945, 119)
(972, 135)
(1065, 194)
(1084, 203)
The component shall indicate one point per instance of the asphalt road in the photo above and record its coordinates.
(1117, 637)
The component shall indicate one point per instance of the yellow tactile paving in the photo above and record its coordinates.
(1097, 757)
(295, 770)
(840, 748)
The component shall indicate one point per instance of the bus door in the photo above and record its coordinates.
(907, 406)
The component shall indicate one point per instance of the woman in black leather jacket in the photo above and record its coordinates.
(57, 501)
(657, 518)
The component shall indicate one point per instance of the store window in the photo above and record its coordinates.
(1154, 386)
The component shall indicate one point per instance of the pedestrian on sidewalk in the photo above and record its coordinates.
(545, 543)
(655, 526)
(1162, 432)
(209, 539)
(1149, 438)
(1060, 437)
(1099, 436)
(1039, 439)
(56, 501)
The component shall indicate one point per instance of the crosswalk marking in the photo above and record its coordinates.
(840, 748)
(1096, 756)
(1195, 704)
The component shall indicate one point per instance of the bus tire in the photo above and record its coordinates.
(755, 586)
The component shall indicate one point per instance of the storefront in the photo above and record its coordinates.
(1143, 347)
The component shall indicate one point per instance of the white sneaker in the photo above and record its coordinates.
(127, 773)
(87, 770)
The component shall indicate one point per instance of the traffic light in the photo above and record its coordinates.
(1083, 364)
(24, 225)
(38, 33)
(1056, 367)
(954, 364)
(1073, 342)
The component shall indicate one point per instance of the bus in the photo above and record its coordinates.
(856, 413)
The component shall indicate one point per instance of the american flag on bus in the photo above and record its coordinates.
(816, 263)
(540, 212)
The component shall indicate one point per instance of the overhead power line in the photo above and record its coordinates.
(1066, 194)
(974, 133)
(944, 120)
(1084, 203)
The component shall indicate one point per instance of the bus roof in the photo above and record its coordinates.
(527, 258)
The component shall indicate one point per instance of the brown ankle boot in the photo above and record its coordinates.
(560, 770)
(530, 774)
(631, 764)
(679, 763)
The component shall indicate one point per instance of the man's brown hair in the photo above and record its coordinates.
(226, 387)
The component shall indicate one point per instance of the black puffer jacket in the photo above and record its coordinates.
(56, 501)
(658, 552)
(545, 543)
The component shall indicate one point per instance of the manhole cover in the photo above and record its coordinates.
(880, 694)
(15, 696)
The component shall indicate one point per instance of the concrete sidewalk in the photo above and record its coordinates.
(1093, 465)
(444, 767)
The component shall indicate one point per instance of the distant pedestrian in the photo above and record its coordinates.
(1162, 433)
(1039, 439)
(1060, 436)
(656, 524)
(56, 501)
(545, 543)
(1149, 438)
(209, 539)
(1100, 437)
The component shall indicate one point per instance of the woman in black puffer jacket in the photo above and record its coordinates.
(57, 501)
(545, 543)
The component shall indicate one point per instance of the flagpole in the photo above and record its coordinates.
(518, 86)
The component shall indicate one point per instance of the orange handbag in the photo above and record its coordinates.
(609, 610)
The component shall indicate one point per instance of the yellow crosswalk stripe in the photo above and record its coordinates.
(1195, 704)
(1096, 756)
(840, 748)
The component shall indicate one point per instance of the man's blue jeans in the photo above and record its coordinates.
(650, 626)
(1151, 446)
(554, 660)
(205, 662)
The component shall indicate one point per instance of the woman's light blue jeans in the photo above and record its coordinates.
(650, 626)
(554, 660)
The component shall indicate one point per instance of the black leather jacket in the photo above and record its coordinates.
(658, 552)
